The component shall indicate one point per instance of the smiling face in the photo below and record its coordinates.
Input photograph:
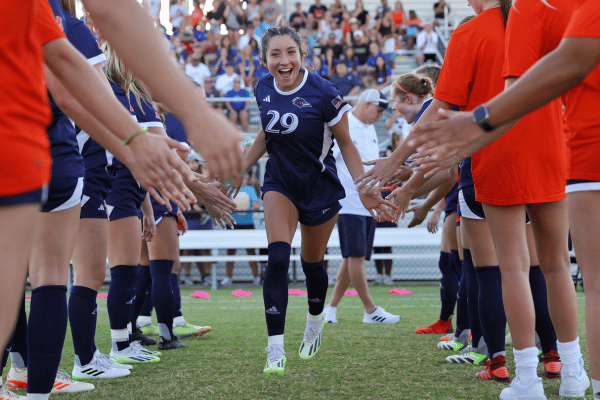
(284, 60)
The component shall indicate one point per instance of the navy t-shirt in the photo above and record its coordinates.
(297, 142)
(175, 129)
(238, 105)
(345, 83)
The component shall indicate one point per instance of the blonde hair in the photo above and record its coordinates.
(140, 93)
(115, 70)
(412, 84)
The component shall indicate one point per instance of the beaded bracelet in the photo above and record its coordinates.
(130, 138)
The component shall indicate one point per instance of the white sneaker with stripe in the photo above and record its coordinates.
(131, 355)
(312, 338)
(98, 368)
(380, 316)
(65, 384)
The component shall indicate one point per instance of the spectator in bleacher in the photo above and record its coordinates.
(374, 52)
(386, 38)
(153, 7)
(196, 69)
(331, 43)
(252, 9)
(211, 92)
(197, 12)
(320, 67)
(440, 9)
(270, 10)
(316, 13)
(177, 13)
(398, 17)
(349, 59)
(329, 60)
(344, 80)
(234, 16)
(216, 16)
(225, 52)
(337, 11)
(427, 41)
(246, 200)
(324, 28)
(382, 9)
(299, 18)
(246, 65)
(308, 41)
(413, 25)
(382, 74)
(238, 110)
(361, 50)
(361, 14)
(249, 33)
(224, 82)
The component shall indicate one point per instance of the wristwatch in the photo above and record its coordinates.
(482, 118)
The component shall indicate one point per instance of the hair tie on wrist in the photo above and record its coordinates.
(130, 138)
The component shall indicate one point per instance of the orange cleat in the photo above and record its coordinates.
(439, 327)
(495, 370)
(552, 364)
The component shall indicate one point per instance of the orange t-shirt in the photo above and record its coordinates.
(529, 163)
(471, 75)
(397, 17)
(24, 109)
(581, 102)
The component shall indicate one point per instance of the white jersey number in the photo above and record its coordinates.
(288, 120)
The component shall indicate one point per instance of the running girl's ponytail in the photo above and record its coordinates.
(412, 84)
(505, 6)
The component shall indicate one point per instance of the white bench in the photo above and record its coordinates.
(219, 239)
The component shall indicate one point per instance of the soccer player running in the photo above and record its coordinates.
(355, 225)
(301, 183)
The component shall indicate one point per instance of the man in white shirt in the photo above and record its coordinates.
(245, 38)
(197, 70)
(427, 41)
(356, 227)
(224, 82)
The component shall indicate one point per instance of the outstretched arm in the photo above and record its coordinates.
(145, 55)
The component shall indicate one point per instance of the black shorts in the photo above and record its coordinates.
(357, 233)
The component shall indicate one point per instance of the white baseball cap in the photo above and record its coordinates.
(374, 96)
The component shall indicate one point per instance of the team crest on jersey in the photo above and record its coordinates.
(337, 102)
(301, 103)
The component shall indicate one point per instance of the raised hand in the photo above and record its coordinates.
(400, 199)
(378, 207)
(384, 169)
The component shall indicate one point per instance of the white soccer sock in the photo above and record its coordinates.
(178, 321)
(596, 389)
(129, 329)
(275, 339)
(314, 318)
(143, 320)
(38, 396)
(570, 354)
(526, 362)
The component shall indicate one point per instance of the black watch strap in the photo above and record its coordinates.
(482, 118)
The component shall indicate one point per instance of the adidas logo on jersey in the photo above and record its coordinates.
(267, 99)
(101, 208)
(273, 310)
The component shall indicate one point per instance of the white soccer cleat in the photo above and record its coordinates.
(380, 316)
(137, 345)
(111, 362)
(17, 377)
(6, 394)
(572, 385)
(130, 355)
(312, 339)
(275, 359)
(98, 368)
(65, 384)
(330, 314)
(533, 390)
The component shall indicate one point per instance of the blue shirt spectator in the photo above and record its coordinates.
(238, 105)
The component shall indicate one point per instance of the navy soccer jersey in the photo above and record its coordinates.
(121, 95)
(301, 164)
(146, 115)
(66, 159)
(175, 129)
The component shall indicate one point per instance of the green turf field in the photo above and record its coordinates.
(356, 360)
